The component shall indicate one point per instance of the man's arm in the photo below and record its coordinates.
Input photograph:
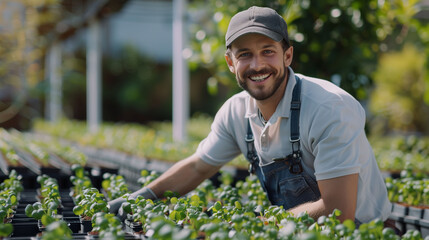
(336, 193)
(184, 176)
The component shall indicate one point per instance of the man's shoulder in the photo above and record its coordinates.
(238, 100)
(234, 107)
(323, 91)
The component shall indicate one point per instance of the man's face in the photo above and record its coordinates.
(260, 65)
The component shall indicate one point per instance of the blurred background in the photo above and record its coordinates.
(132, 86)
(377, 50)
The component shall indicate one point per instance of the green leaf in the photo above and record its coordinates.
(28, 210)
(13, 199)
(217, 206)
(37, 214)
(52, 205)
(5, 229)
(78, 210)
(237, 204)
(336, 212)
(179, 207)
(173, 200)
(350, 225)
(173, 215)
(46, 220)
(126, 206)
(321, 220)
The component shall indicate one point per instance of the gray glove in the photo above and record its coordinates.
(116, 204)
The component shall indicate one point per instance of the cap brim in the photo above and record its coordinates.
(259, 30)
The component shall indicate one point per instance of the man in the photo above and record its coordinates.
(304, 137)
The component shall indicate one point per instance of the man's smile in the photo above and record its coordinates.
(259, 77)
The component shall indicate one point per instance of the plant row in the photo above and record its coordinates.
(394, 153)
(89, 204)
(239, 212)
(17, 149)
(155, 142)
(410, 189)
(10, 190)
(151, 142)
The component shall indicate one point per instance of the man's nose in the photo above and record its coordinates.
(257, 63)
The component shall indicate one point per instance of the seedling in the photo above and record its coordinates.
(90, 202)
(107, 225)
(57, 230)
(80, 180)
(114, 185)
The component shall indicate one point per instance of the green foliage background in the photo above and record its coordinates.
(398, 98)
(337, 40)
(342, 41)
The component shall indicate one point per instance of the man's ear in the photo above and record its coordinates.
(288, 56)
(230, 63)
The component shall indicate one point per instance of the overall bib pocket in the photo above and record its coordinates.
(295, 191)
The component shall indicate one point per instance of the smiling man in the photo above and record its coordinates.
(304, 137)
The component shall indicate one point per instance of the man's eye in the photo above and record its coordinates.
(268, 51)
(244, 55)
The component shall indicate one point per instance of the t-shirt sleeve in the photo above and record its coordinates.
(220, 146)
(337, 138)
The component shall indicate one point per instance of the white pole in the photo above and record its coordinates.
(180, 73)
(93, 76)
(55, 83)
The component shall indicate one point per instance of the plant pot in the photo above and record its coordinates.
(27, 229)
(73, 223)
(23, 220)
(86, 225)
(426, 214)
(133, 227)
(412, 223)
(416, 212)
(92, 235)
(79, 235)
(41, 226)
(399, 209)
(424, 227)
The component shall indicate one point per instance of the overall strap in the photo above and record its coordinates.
(295, 108)
(252, 156)
(295, 157)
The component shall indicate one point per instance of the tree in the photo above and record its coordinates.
(22, 49)
(397, 101)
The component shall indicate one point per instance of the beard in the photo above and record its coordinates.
(258, 94)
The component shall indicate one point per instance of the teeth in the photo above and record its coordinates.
(259, 78)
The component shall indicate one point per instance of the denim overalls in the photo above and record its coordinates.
(284, 180)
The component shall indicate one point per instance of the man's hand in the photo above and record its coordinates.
(184, 176)
(116, 204)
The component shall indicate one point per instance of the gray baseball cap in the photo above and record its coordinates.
(262, 20)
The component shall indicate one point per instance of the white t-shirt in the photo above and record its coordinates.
(333, 140)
